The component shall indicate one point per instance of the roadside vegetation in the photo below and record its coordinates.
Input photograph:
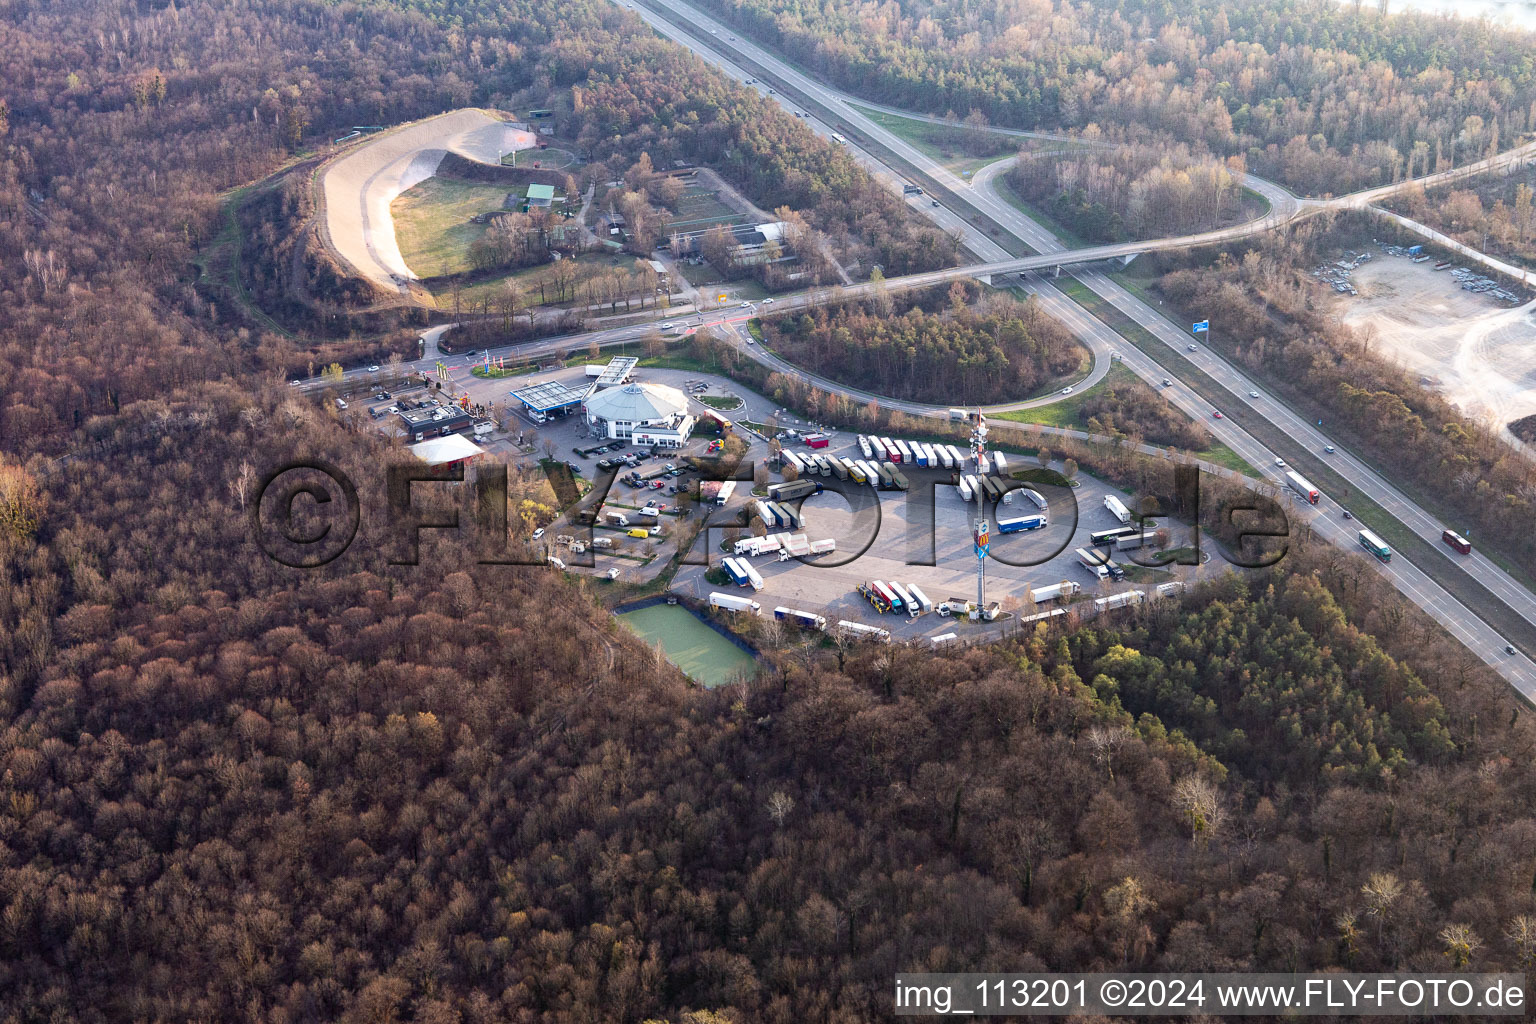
(1494, 214)
(950, 347)
(1259, 302)
(1132, 192)
(1327, 97)
(1277, 751)
(442, 790)
(1121, 405)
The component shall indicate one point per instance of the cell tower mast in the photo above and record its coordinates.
(981, 530)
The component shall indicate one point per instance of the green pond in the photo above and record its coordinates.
(704, 655)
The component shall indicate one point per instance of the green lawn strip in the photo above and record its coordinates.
(222, 263)
(942, 142)
(1065, 412)
(1399, 537)
(723, 404)
(1071, 238)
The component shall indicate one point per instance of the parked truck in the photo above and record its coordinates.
(1016, 524)
(732, 603)
(1065, 588)
(966, 494)
(959, 415)
(805, 620)
(1035, 496)
(1122, 600)
(793, 491)
(859, 631)
(912, 607)
(1302, 486)
(753, 577)
(735, 568)
(1117, 508)
(921, 598)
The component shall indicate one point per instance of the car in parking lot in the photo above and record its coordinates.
(538, 533)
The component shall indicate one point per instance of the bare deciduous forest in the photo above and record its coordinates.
(456, 793)
(1324, 96)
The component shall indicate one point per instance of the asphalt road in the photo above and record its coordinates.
(1479, 637)
(1327, 520)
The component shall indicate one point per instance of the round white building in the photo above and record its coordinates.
(646, 414)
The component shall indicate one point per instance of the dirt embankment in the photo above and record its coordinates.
(357, 188)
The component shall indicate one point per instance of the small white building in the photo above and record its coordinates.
(646, 414)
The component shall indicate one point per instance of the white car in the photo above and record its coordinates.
(1328, 448)
(746, 305)
(1253, 394)
(538, 533)
(668, 327)
(768, 302)
(1066, 390)
(1167, 383)
(294, 383)
(373, 369)
(1280, 463)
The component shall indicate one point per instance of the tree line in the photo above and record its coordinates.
(234, 790)
(1132, 192)
(1258, 300)
(947, 351)
(1327, 97)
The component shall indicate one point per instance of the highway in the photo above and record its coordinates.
(1327, 519)
(1482, 639)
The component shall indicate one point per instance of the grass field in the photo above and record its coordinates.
(432, 223)
(530, 279)
(1066, 413)
(700, 208)
(957, 148)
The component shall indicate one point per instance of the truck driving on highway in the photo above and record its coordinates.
(1302, 486)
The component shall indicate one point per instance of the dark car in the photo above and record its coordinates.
(1348, 514)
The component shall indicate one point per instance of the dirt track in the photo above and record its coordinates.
(358, 187)
(1482, 354)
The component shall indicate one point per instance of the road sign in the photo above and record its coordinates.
(721, 297)
(1203, 325)
(983, 536)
